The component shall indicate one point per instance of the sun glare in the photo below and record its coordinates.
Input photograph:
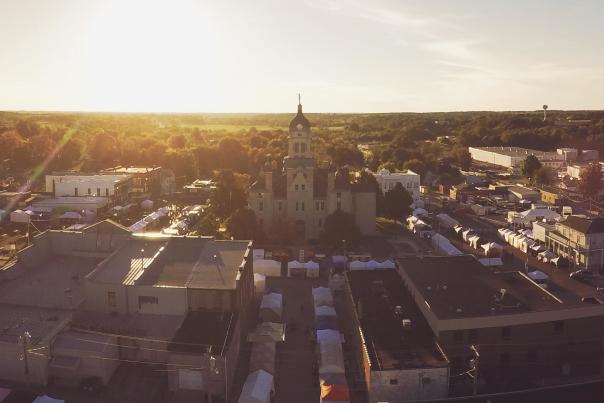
(152, 56)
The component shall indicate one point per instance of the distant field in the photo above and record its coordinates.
(230, 127)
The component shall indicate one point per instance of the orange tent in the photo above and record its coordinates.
(335, 393)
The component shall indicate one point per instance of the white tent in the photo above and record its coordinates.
(473, 241)
(468, 233)
(538, 248)
(295, 267)
(312, 269)
(501, 232)
(545, 256)
(322, 296)
(258, 388)
(267, 267)
(357, 265)
(47, 399)
(324, 310)
(331, 359)
(446, 221)
(372, 265)
(537, 275)
(492, 249)
(271, 307)
(443, 246)
(387, 264)
(259, 283)
(329, 336)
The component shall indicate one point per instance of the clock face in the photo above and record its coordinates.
(299, 127)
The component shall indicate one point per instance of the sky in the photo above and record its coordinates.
(341, 55)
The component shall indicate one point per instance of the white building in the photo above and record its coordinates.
(115, 187)
(409, 179)
(513, 157)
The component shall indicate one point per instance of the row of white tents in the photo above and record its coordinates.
(522, 239)
(370, 265)
(443, 246)
(150, 220)
(259, 386)
(418, 226)
(304, 269)
(332, 375)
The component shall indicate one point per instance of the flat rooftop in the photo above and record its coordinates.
(389, 344)
(515, 151)
(186, 262)
(56, 283)
(459, 286)
(39, 322)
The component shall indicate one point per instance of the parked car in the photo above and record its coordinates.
(584, 275)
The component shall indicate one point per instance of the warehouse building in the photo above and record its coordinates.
(513, 157)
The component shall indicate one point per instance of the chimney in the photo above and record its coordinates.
(268, 181)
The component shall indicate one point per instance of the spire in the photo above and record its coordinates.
(299, 104)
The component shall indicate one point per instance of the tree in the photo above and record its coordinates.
(178, 141)
(229, 194)
(544, 176)
(367, 180)
(590, 180)
(242, 224)
(462, 157)
(340, 226)
(416, 166)
(530, 165)
(397, 203)
(208, 225)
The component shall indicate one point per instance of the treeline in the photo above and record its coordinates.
(196, 145)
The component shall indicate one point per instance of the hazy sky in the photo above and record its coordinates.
(342, 55)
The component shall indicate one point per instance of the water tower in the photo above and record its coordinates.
(544, 112)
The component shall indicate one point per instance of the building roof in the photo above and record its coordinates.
(188, 262)
(523, 191)
(377, 295)
(459, 286)
(299, 119)
(96, 201)
(519, 151)
(38, 322)
(585, 225)
(201, 331)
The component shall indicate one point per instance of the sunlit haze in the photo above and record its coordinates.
(342, 55)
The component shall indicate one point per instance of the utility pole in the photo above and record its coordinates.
(474, 369)
(25, 340)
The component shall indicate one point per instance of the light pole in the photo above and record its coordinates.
(25, 340)
(474, 369)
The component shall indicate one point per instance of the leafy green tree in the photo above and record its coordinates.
(590, 180)
(397, 203)
(229, 195)
(544, 176)
(416, 166)
(340, 226)
(462, 157)
(530, 165)
(177, 141)
(242, 224)
(208, 225)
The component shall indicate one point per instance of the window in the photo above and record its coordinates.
(98, 191)
(296, 187)
(261, 206)
(296, 206)
(317, 206)
(472, 336)
(106, 192)
(303, 147)
(280, 206)
(320, 222)
(506, 333)
(303, 187)
(393, 381)
(302, 206)
(322, 206)
(339, 205)
(111, 299)
(531, 355)
(296, 147)
(89, 192)
(261, 222)
(458, 336)
(142, 299)
(75, 191)
(559, 327)
(338, 195)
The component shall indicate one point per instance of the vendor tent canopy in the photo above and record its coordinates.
(474, 241)
(443, 246)
(492, 249)
(47, 399)
(468, 233)
(268, 267)
(312, 269)
(331, 359)
(372, 265)
(329, 336)
(559, 261)
(537, 275)
(357, 265)
(326, 322)
(387, 264)
(545, 256)
(446, 221)
(335, 393)
(322, 296)
(266, 332)
(21, 216)
(259, 283)
(271, 307)
(258, 388)
(263, 357)
(538, 248)
(325, 310)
